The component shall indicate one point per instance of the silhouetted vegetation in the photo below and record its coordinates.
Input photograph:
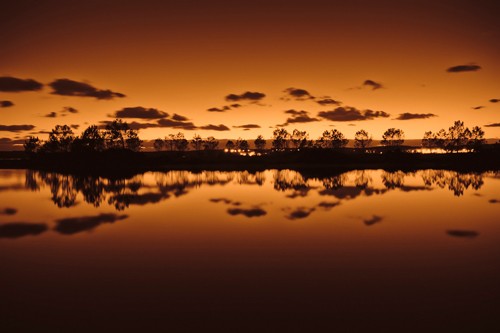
(457, 138)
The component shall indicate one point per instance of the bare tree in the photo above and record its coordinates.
(281, 139)
(362, 139)
(260, 143)
(333, 139)
(299, 138)
(210, 143)
(393, 137)
(196, 142)
(159, 144)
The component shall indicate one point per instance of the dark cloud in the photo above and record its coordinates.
(224, 200)
(16, 128)
(348, 113)
(133, 125)
(301, 116)
(20, 229)
(13, 84)
(372, 84)
(409, 116)
(178, 117)
(252, 212)
(494, 100)
(74, 126)
(171, 123)
(493, 125)
(140, 199)
(73, 225)
(328, 205)
(6, 104)
(247, 126)
(297, 94)
(211, 127)
(327, 101)
(69, 109)
(478, 107)
(67, 87)
(51, 115)
(246, 96)
(8, 211)
(494, 201)
(375, 219)
(222, 109)
(463, 68)
(139, 112)
(463, 233)
(300, 213)
(235, 105)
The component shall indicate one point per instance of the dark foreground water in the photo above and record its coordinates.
(273, 251)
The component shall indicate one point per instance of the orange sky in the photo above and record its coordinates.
(185, 57)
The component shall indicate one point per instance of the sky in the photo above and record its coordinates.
(233, 69)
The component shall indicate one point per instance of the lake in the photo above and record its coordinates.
(269, 251)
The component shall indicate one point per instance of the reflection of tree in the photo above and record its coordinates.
(335, 182)
(288, 180)
(455, 181)
(362, 178)
(393, 180)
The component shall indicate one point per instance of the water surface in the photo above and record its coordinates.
(269, 251)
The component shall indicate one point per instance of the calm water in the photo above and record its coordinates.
(237, 251)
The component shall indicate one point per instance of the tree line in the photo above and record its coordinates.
(118, 135)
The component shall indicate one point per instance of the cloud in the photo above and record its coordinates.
(478, 107)
(327, 101)
(69, 109)
(493, 125)
(67, 87)
(178, 117)
(224, 200)
(372, 84)
(8, 211)
(301, 116)
(246, 96)
(297, 94)
(223, 109)
(375, 219)
(463, 68)
(74, 126)
(73, 225)
(463, 233)
(247, 126)
(20, 229)
(6, 104)
(409, 116)
(16, 128)
(300, 213)
(494, 100)
(171, 123)
(235, 105)
(211, 127)
(493, 201)
(51, 115)
(139, 112)
(252, 212)
(133, 125)
(348, 113)
(328, 205)
(13, 84)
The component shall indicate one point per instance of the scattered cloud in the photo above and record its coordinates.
(252, 212)
(14, 84)
(69, 109)
(463, 233)
(328, 205)
(301, 116)
(140, 112)
(246, 96)
(51, 115)
(373, 220)
(299, 213)
(211, 127)
(172, 123)
(67, 87)
(478, 107)
(493, 125)
(224, 200)
(327, 101)
(372, 84)
(73, 225)
(21, 229)
(222, 109)
(348, 113)
(494, 100)
(297, 94)
(236, 105)
(463, 68)
(16, 128)
(6, 104)
(178, 117)
(494, 201)
(410, 116)
(247, 126)
(74, 126)
(8, 211)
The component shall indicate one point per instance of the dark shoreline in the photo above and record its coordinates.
(124, 163)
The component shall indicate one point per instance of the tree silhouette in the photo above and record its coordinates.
(260, 143)
(197, 142)
(60, 139)
(476, 139)
(393, 137)
(159, 144)
(281, 139)
(299, 138)
(242, 145)
(32, 144)
(230, 145)
(458, 136)
(180, 142)
(92, 139)
(362, 139)
(170, 142)
(333, 139)
(210, 143)
(119, 135)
